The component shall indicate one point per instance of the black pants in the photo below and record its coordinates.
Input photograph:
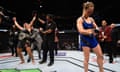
(48, 46)
(102, 44)
(109, 47)
(56, 47)
(13, 48)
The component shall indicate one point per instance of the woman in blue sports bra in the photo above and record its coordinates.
(86, 26)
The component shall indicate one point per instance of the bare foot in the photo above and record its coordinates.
(33, 62)
(22, 62)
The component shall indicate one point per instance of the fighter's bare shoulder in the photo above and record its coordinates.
(79, 19)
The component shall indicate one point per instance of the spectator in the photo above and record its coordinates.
(109, 42)
(102, 36)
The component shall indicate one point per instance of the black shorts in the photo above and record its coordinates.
(22, 43)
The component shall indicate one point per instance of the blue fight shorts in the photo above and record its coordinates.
(89, 41)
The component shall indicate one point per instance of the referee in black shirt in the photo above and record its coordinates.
(48, 39)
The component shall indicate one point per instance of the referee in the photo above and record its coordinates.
(48, 39)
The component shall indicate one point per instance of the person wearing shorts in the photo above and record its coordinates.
(86, 26)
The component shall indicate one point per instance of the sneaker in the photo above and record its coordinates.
(29, 59)
(51, 63)
(42, 62)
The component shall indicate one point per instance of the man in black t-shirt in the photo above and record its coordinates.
(48, 39)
